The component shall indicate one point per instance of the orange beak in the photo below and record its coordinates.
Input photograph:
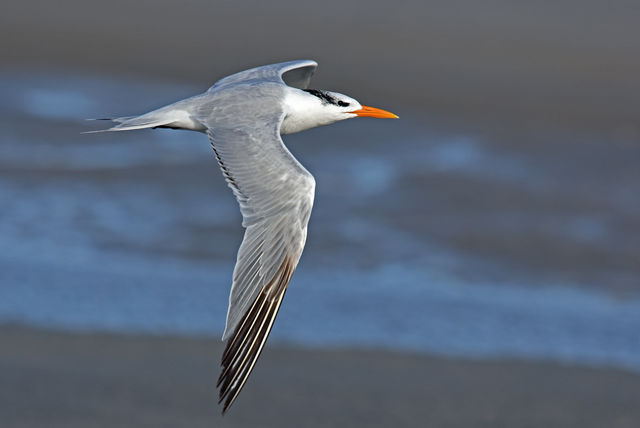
(374, 112)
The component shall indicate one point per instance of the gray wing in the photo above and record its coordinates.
(275, 194)
(293, 73)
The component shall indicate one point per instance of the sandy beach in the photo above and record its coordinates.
(55, 379)
(549, 93)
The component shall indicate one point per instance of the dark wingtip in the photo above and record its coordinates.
(245, 346)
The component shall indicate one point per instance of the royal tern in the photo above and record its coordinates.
(244, 115)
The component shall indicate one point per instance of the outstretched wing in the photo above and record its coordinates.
(293, 73)
(275, 194)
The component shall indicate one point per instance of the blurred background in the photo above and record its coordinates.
(475, 263)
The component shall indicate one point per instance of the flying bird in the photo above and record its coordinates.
(244, 116)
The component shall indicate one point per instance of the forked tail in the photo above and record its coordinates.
(175, 116)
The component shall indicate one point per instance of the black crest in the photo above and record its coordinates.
(326, 97)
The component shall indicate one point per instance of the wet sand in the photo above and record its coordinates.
(499, 67)
(54, 379)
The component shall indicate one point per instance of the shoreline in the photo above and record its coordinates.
(56, 378)
(514, 167)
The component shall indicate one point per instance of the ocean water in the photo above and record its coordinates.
(423, 237)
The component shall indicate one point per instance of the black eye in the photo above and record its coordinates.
(343, 104)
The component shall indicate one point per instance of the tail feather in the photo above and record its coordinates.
(176, 115)
(135, 122)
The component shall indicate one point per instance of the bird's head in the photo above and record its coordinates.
(315, 107)
(345, 107)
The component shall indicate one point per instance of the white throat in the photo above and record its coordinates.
(304, 111)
